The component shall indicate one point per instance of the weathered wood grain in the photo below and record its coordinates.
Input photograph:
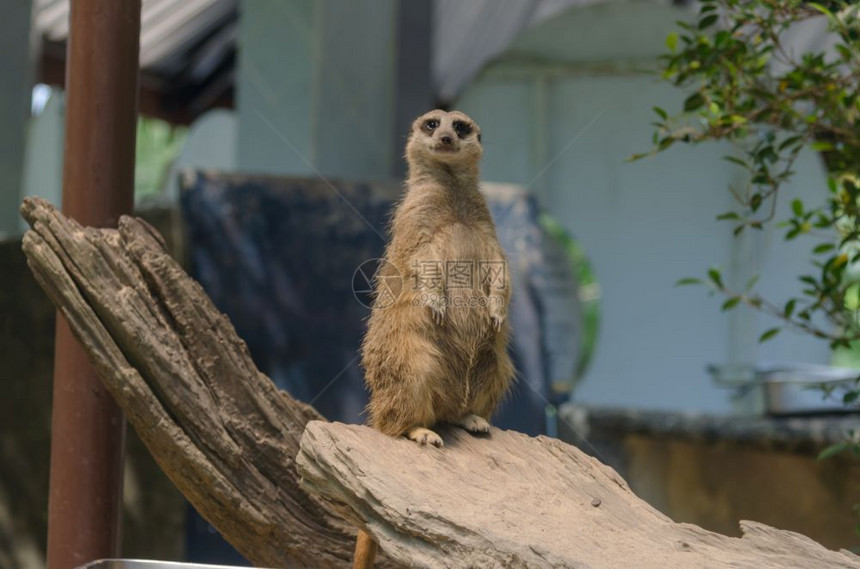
(223, 433)
(509, 500)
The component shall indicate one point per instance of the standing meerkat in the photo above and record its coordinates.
(435, 350)
(438, 351)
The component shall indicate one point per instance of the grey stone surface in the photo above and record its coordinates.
(713, 471)
(801, 433)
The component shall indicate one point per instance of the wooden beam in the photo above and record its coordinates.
(157, 97)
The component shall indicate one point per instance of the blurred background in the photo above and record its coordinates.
(258, 118)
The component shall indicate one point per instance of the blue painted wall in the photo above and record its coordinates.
(561, 111)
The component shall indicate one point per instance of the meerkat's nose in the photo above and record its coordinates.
(446, 139)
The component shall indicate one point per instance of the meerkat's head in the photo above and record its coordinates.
(444, 137)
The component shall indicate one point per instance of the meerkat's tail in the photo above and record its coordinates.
(365, 551)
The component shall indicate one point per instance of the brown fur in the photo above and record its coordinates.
(427, 361)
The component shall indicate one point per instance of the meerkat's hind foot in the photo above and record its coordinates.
(424, 436)
(473, 423)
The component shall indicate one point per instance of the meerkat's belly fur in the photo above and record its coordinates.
(438, 352)
(421, 371)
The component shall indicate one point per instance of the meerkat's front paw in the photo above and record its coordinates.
(424, 436)
(498, 311)
(438, 307)
(473, 423)
(497, 318)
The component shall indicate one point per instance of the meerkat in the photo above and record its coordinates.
(435, 350)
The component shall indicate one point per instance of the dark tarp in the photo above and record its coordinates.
(279, 257)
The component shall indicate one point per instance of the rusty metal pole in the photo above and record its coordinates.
(87, 427)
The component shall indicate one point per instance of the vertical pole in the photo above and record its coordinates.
(16, 70)
(87, 428)
(413, 83)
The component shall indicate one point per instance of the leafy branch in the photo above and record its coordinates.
(748, 86)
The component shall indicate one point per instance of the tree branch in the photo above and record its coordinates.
(222, 432)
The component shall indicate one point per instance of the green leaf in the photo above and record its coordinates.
(672, 41)
(833, 450)
(716, 277)
(688, 281)
(845, 52)
(755, 202)
(850, 397)
(851, 299)
(731, 303)
(636, 157)
(821, 9)
(768, 334)
(789, 142)
(728, 215)
(789, 308)
(708, 21)
(736, 160)
(693, 102)
(663, 114)
(823, 248)
(751, 283)
(797, 207)
(821, 146)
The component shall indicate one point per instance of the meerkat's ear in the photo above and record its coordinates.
(479, 137)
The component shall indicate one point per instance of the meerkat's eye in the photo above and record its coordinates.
(431, 125)
(462, 129)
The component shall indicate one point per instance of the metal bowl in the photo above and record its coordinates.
(789, 389)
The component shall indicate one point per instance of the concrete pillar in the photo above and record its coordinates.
(16, 71)
(43, 160)
(413, 90)
(316, 88)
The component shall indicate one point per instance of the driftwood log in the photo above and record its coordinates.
(230, 441)
(510, 500)
(220, 429)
